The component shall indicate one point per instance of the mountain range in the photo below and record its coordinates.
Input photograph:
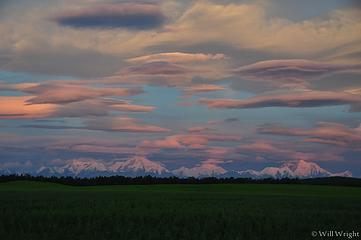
(83, 167)
(298, 169)
(141, 166)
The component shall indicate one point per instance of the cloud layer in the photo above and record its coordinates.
(177, 57)
(324, 133)
(126, 15)
(296, 100)
(116, 79)
(292, 71)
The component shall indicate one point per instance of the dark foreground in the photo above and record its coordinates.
(37, 210)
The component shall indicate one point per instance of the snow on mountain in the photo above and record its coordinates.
(80, 165)
(5, 172)
(342, 174)
(138, 164)
(49, 171)
(203, 170)
(305, 169)
(299, 169)
(84, 167)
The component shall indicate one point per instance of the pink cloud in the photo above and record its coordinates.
(192, 141)
(13, 107)
(202, 88)
(63, 93)
(177, 57)
(126, 107)
(170, 142)
(67, 93)
(66, 100)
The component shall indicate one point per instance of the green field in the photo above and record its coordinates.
(34, 210)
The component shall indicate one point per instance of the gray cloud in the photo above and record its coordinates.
(296, 99)
(233, 119)
(127, 15)
(292, 71)
(108, 124)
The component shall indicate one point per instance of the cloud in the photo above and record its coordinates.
(325, 133)
(199, 129)
(98, 107)
(220, 152)
(122, 124)
(127, 107)
(16, 87)
(202, 88)
(292, 71)
(230, 120)
(132, 16)
(48, 48)
(171, 142)
(68, 93)
(85, 108)
(177, 57)
(13, 107)
(157, 68)
(96, 148)
(19, 107)
(281, 151)
(39, 54)
(354, 91)
(246, 26)
(108, 124)
(192, 140)
(66, 100)
(170, 74)
(297, 100)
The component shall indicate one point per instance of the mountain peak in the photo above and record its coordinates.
(139, 164)
(85, 164)
(204, 169)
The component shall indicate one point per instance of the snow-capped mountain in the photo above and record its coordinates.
(299, 169)
(76, 167)
(138, 165)
(5, 172)
(135, 166)
(203, 170)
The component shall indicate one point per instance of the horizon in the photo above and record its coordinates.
(222, 85)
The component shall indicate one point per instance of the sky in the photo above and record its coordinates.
(237, 84)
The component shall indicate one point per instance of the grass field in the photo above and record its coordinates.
(34, 210)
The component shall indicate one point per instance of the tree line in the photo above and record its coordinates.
(149, 180)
